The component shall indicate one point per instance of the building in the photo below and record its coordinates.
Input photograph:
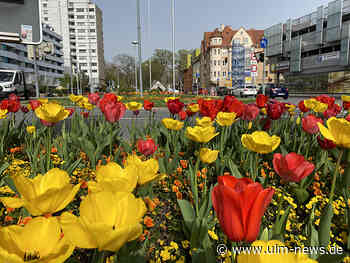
(50, 64)
(312, 52)
(216, 56)
(80, 24)
(196, 68)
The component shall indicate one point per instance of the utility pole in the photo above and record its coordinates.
(149, 41)
(135, 44)
(139, 43)
(173, 38)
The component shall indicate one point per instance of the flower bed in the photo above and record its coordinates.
(215, 180)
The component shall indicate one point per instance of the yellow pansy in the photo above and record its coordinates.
(107, 221)
(112, 177)
(45, 194)
(170, 98)
(225, 118)
(201, 134)
(40, 240)
(133, 106)
(272, 251)
(193, 107)
(207, 155)
(51, 112)
(338, 131)
(145, 171)
(260, 142)
(315, 105)
(172, 124)
(204, 122)
(345, 98)
(30, 129)
(3, 114)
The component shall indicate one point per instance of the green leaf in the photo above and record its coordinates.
(11, 184)
(325, 225)
(4, 167)
(71, 168)
(330, 258)
(301, 194)
(234, 169)
(187, 212)
(264, 235)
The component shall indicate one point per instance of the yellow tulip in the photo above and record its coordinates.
(208, 156)
(145, 171)
(3, 114)
(193, 107)
(291, 107)
(315, 105)
(338, 131)
(264, 111)
(119, 98)
(172, 124)
(75, 98)
(201, 134)
(40, 240)
(88, 106)
(170, 98)
(250, 125)
(133, 106)
(225, 118)
(272, 251)
(107, 221)
(45, 194)
(260, 142)
(113, 178)
(204, 122)
(51, 112)
(30, 129)
(345, 98)
(298, 120)
(43, 101)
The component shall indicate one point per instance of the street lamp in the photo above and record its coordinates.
(139, 43)
(135, 44)
(173, 38)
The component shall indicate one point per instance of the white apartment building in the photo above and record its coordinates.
(80, 24)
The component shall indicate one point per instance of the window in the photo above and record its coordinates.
(91, 9)
(82, 50)
(80, 17)
(93, 50)
(92, 30)
(46, 19)
(224, 74)
(81, 30)
(81, 23)
(80, 9)
(44, 5)
(70, 9)
(94, 64)
(218, 51)
(46, 12)
(218, 73)
(214, 62)
(94, 71)
(245, 40)
(214, 73)
(92, 17)
(71, 16)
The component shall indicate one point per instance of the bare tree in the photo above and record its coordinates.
(126, 65)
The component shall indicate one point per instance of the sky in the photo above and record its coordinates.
(192, 19)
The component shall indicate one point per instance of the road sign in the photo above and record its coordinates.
(197, 75)
(254, 62)
(20, 21)
(252, 56)
(254, 74)
(254, 68)
(263, 42)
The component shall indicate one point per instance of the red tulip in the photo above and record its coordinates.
(24, 109)
(34, 104)
(13, 97)
(147, 105)
(251, 111)
(309, 124)
(332, 111)
(146, 147)
(232, 104)
(326, 99)
(325, 143)
(239, 205)
(71, 111)
(107, 98)
(302, 107)
(347, 117)
(175, 106)
(190, 113)
(261, 100)
(182, 115)
(10, 105)
(46, 123)
(85, 114)
(93, 98)
(114, 111)
(275, 111)
(292, 167)
(346, 105)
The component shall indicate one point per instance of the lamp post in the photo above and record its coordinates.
(135, 43)
(139, 44)
(173, 39)
(149, 40)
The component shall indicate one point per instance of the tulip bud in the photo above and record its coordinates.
(298, 120)
(250, 125)
(146, 147)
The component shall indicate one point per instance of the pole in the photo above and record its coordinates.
(149, 40)
(71, 82)
(173, 38)
(263, 81)
(139, 43)
(37, 92)
(118, 81)
(136, 68)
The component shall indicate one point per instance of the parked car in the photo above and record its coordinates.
(222, 91)
(275, 91)
(248, 90)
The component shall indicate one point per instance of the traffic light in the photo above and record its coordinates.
(261, 57)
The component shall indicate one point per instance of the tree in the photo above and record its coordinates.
(126, 66)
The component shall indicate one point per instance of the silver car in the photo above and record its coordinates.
(249, 90)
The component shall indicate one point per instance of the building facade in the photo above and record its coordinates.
(312, 52)
(216, 56)
(80, 24)
(50, 64)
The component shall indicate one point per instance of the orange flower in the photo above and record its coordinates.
(317, 177)
(84, 185)
(204, 170)
(156, 201)
(179, 170)
(198, 174)
(53, 150)
(9, 209)
(184, 164)
(227, 174)
(16, 149)
(179, 195)
(181, 153)
(151, 205)
(175, 189)
(263, 174)
(8, 218)
(148, 221)
(204, 176)
(201, 185)
(48, 215)
(178, 183)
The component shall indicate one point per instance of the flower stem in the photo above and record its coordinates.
(331, 196)
(48, 151)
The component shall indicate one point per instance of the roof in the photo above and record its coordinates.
(227, 35)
